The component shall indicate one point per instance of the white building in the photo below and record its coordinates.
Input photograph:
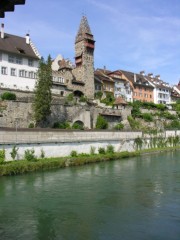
(19, 61)
(162, 90)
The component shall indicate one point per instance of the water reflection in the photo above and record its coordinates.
(126, 199)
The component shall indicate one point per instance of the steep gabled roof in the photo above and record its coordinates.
(158, 83)
(17, 45)
(102, 76)
(84, 30)
(140, 79)
(119, 100)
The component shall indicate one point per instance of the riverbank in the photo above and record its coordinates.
(24, 166)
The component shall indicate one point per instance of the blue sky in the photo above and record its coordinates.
(132, 35)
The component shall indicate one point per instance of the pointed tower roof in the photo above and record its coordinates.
(84, 30)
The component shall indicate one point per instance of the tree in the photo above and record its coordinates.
(101, 123)
(42, 100)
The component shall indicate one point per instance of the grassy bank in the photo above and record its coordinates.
(24, 166)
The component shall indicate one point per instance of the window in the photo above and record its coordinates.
(25, 74)
(4, 70)
(21, 73)
(18, 60)
(10, 58)
(30, 62)
(13, 72)
(62, 93)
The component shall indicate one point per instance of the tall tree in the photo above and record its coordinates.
(43, 97)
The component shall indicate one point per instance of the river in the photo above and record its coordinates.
(136, 198)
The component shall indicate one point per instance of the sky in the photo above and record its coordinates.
(132, 35)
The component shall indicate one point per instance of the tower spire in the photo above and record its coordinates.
(84, 30)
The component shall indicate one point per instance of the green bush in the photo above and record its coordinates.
(109, 99)
(101, 123)
(70, 97)
(2, 156)
(135, 125)
(29, 155)
(62, 125)
(73, 153)
(147, 117)
(31, 125)
(83, 99)
(14, 152)
(98, 95)
(101, 150)
(77, 125)
(135, 112)
(119, 126)
(161, 107)
(42, 154)
(110, 149)
(8, 96)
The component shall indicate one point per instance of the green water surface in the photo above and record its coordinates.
(137, 198)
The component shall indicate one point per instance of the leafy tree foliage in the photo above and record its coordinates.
(101, 123)
(42, 101)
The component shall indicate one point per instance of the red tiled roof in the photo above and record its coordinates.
(119, 101)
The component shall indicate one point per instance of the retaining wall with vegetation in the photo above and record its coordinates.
(61, 143)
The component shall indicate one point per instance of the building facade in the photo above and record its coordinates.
(78, 78)
(19, 60)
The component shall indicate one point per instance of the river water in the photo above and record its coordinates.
(137, 198)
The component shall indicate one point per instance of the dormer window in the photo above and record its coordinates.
(20, 50)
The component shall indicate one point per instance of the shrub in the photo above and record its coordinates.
(42, 154)
(70, 97)
(135, 125)
(92, 150)
(109, 99)
(110, 149)
(101, 123)
(98, 95)
(2, 156)
(8, 96)
(119, 126)
(62, 125)
(74, 153)
(147, 117)
(161, 107)
(31, 125)
(135, 112)
(29, 155)
(77, 125)
(14, 152)
(83, 99)
(138, 142)
(101, 150)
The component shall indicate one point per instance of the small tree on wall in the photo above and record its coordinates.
(101, 123)
(42, 100)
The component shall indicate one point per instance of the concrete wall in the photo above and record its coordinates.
(61, 143)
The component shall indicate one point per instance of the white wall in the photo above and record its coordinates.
(16, 82)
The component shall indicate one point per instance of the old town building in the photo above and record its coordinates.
(19, 60)
(79, 78)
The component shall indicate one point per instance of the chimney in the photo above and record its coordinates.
(150, 75)
(2, 30)
(27, 38)
(135, 77)
(142, 73)
(158, 77)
